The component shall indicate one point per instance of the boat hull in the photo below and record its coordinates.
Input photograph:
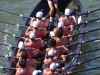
(42, 5)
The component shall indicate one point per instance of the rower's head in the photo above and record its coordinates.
(54, 66)
(36, 72)
(51, 42)
(59, 33)
(32, 36)
(24, 55)
(61, 24)
(35, 24)
(22, 63)
(39, 15)
(21, 45)
(67, 12)
(51, 53)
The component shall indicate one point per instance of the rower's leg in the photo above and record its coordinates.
(51, 12)
(57, 8)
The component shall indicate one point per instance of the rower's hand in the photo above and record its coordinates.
(32, 19)
(63, 56)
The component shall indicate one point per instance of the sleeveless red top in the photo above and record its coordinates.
(27, 72)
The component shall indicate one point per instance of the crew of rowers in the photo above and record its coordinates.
(41, 46)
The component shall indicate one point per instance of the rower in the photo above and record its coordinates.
(30, 62)
(23, 69)
(32, 52)
(39, 32)
(60, 39)
(68, 20)
(60, 26)
(43, 23)
(36, 43)
(53, 70)
(51, 58)
(60, 49)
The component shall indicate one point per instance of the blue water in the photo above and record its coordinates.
(25, 6)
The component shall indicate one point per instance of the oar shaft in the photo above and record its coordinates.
(7, 23)
(82, 42)
(7, 33)
(90, 59)
(79, 63)
(88, 12)
(87, 22)
(86, 70)
(17, 25)
(21, 15)
(8, 45)
(94, 20)
(79, 53)
(9, 12)
(86, 31)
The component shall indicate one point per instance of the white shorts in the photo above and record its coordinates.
(51, 1)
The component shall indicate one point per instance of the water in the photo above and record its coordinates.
(25, 6)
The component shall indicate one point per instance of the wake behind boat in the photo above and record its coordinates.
(75, 7)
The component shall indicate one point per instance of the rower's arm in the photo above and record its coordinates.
(27, 31)
(32, 20)
(71, 27)
(63, 60)
(27, 42)
(18, 53)
(65, 50)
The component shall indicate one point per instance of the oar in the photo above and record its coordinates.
(87, 22)
(17, 25)
(79, 63)
(3, 67)
(68, 73)
(14, 35)
(82, 42)
(6, 56)
(9, 45)
(79, 53)
(20, 15)
(88, 12)
(86, 31)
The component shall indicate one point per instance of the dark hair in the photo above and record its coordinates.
(38, 18)
(59, 33)
(47, 56)
(22, 63)
(24, 55)
(52, 42)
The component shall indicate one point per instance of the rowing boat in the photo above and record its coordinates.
(76, 8)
